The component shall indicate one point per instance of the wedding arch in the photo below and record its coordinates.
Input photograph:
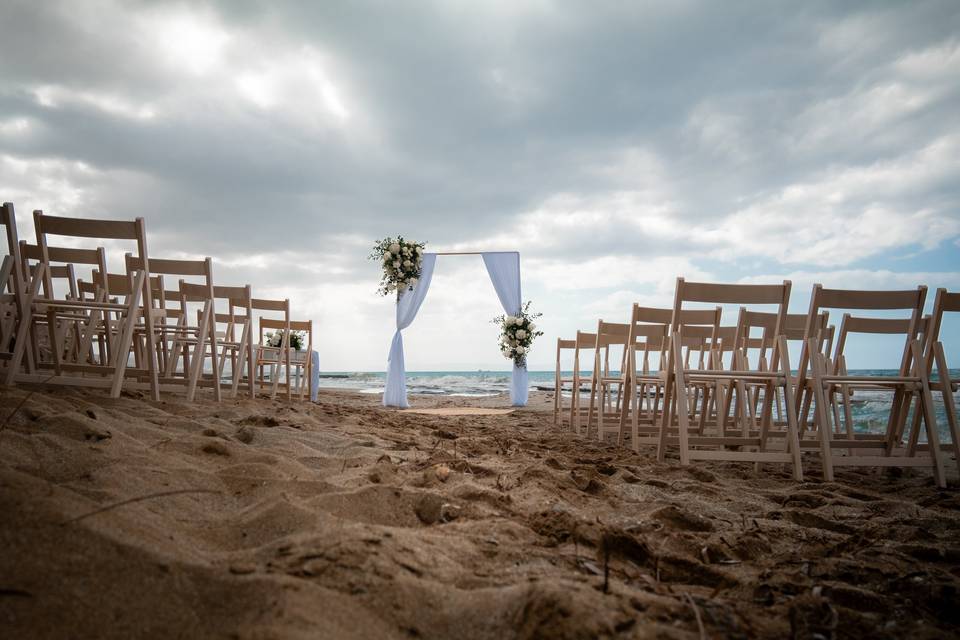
(503, 268)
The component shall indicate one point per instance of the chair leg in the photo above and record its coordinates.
(822, 414)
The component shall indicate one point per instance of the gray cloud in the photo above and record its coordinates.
(695, 131)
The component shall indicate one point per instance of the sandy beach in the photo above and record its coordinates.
(264, 519)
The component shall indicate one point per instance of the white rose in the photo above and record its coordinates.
(521, 350)
(413, 282)
(396, 264)
(532, 327)
(395, 248)
(419, 249)
(387, 255)
(521, 334)
(407, 263)
(510, 320)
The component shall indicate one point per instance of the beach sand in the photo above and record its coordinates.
(266, 519)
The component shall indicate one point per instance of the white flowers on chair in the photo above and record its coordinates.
(402, 263)
(517, 334)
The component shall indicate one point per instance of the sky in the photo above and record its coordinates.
(615, 145)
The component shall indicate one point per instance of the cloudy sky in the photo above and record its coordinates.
(615, 145)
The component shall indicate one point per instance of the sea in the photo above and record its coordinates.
(869, 408)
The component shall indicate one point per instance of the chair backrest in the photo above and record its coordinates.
(740, 294)
(877, 326)
(909, 301)
(96, 259)
(793, 329)
(202, 269)
(264, 323)
(133, 230)
(944, 302)
(236, 298)
(654, 324)
(121, 284)
(305, 326)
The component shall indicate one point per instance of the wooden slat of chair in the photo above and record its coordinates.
(911, 382)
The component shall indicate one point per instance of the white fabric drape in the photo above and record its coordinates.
(395, 393)
(504, 270)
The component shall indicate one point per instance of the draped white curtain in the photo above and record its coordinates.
(504, 270)
(395, 392)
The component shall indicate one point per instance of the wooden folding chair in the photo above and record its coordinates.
(302, 360)
(177, 338)
(235, 336)
(675, 421)
(642, 387)
(603, 400)
(945, 302)
(762, 345)
(910, 382)
(61, 263)
(273, 357)
(559, 381)
(116, 369)
(583, 341)
(14, 294)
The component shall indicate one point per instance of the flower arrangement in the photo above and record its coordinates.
(517, 334)
(274, 339)
(402, 262)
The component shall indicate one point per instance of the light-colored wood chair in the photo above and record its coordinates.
(605, 384)
(643, 386)
(60, 266)
(559, 380)
(113, 287)
(583, 342)
(910, 382)
(14, 292)
(302, 360)
(179, 340)
(235, 337)
(116, 370)
(270, 356)
(935, 356)
(675, 422)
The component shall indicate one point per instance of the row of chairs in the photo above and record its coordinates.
(716, 391)
(66, 319)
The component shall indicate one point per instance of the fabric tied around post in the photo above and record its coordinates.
(504, 271)
(408, 304)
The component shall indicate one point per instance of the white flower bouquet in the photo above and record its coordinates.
(298, 339)
(402, 262)
(517, 334)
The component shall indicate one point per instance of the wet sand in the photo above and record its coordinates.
(265, 519)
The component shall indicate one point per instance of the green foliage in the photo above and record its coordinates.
(402, 263)
(517, 334)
